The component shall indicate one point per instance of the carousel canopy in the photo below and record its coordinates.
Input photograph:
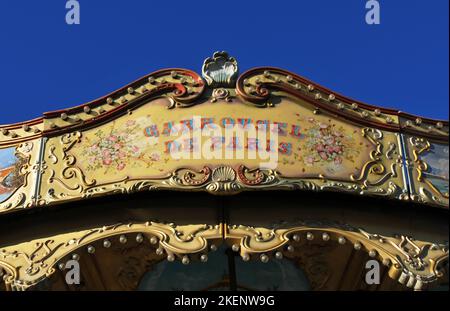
(223, 133)
(232, 135)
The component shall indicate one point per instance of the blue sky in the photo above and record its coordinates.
(46, 64)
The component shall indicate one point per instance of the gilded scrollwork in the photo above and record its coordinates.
(379, 176)
(220, 180)
(375, 166)
(70, 178)
(229, 180)
(28, 263)
(413, 263)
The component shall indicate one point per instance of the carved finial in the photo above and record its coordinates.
(220, 70)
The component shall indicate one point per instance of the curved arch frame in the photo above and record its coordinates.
(412, 263)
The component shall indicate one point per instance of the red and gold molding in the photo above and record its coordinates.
(259, 84)
(182, 86)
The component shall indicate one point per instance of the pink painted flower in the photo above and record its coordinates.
(107, 161)
(323, 155)
(338, 149)
(121, 166)
(320, 148)
(155, 157)
(130, 123)
(331, 141)
(338, 160)
(113, 138)
(135, 149)
(122, 155)
(310, 160)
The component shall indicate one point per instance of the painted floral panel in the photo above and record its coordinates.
(142, 144)
(328, 145)
(120, 148)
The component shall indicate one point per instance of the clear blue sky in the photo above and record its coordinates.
(46, 64)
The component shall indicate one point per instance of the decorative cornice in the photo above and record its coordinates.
(181, 86)
(259, 84)
(17, 133)
(436, 130)
(185, 87)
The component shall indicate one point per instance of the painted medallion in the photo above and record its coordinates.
(10, 177)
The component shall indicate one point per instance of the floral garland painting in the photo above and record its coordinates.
(119, 148)
(328, 145)
(123, 145)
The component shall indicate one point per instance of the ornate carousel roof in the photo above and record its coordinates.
(121, 143)
(170, 131)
